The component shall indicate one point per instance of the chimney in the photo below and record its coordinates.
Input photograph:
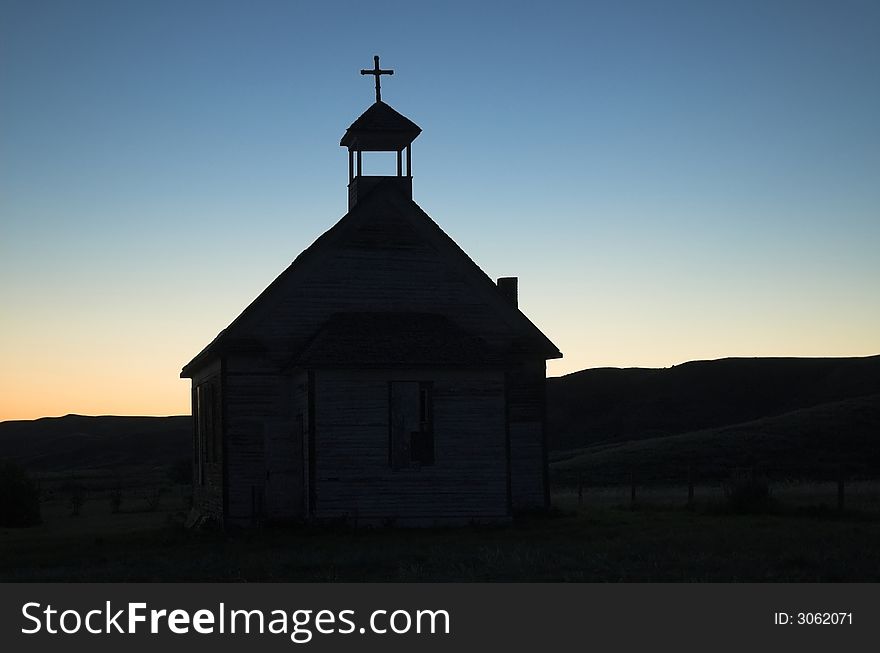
(508, 288)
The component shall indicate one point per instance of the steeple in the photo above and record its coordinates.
(379, 129)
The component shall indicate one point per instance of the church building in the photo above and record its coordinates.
(382, 378)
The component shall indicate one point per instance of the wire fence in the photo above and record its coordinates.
(745, 488)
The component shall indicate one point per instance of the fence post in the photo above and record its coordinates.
(690, 486)
(580, 490)
(632, 490)
(841, 491)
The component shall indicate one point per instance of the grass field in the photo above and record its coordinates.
(795, 426)
(800, 538)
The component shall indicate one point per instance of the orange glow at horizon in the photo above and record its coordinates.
(123, 378)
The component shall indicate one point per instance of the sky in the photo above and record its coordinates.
(669, 180)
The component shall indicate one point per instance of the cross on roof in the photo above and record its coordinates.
(377, 71)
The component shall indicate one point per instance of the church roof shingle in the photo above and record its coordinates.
(392, 338)
(236, 338)
(380, 128)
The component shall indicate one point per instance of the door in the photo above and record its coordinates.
(284, 473)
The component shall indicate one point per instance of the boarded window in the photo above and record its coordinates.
(208, 428)
(411, 424)
(215, 431)
(209, 421)
(197, 437)
(201, 429)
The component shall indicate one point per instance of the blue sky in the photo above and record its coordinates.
(669, 180)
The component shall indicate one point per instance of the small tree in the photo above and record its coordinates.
(19, 497)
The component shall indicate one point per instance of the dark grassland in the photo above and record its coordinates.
(764, 442)
(811, 444)
(601, 540)
(610, 405)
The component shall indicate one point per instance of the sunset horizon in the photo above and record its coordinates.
(668, 185)
(186, 408)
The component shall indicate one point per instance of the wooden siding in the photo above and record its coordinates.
(267, 432)
(354, 477)
(267, 418)
(528, 448)
(255, 414)
(207, 465)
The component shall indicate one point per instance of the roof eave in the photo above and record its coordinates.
(379, 140)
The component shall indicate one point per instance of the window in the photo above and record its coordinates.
(197, 435)
(209, 422)
(208, 432)
(411, 424)
(422, 445)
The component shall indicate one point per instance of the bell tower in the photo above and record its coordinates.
(379, 129)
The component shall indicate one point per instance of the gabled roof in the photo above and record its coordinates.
(380, 128)
(390, 339)
(235, 338)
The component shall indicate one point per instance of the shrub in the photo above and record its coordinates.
(747, 491)
(116, 499)
(153, 497)
(19, 497)
(76, 493)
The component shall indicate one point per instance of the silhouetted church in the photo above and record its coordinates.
(382, 377)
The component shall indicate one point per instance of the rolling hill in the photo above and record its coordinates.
(610, 405)
(808, 444)
(75, 442)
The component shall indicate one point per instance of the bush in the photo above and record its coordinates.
(19, 497)
(153, 499)
(747, 491)
(116, 499)
(76, 496)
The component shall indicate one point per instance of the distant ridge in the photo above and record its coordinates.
(611, 405)
(55, 444)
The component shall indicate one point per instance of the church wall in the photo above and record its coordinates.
(286, 456)
(528, 455)
(354, 475)
(258, 423)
